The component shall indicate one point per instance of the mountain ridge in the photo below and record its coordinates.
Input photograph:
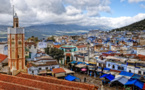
(139, 25)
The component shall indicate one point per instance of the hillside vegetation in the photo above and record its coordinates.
(140, 25)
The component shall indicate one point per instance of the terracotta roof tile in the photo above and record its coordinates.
(14, 86)
(57, 46)
(53, 80)
(2, 57)
(58, 70)
(81, 46)
(35, 83)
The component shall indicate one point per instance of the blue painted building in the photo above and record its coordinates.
(116, 63)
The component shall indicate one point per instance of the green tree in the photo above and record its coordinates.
(55, 53)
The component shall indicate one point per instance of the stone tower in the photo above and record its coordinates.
(16, 46)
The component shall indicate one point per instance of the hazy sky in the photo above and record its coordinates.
(112, 13)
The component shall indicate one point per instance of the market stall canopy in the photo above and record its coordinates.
(136, 76)
(70, 78)
(128, 74)
(80, 65)
(84, 69)
(108, 76)
(136, 83)
(123, 80)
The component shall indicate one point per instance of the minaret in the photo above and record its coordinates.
(16, 47)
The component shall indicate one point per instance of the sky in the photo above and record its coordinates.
(109, 13)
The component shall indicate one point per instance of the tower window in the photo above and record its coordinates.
(16, 24)
(19, 42)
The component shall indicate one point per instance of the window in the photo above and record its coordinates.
(122, 68)
(46, 68)
(139, 72)
(119, 67)
(144, 73)
(32, 71)
(12, 42)
(108, 65)
(99, 64)
(39, 68)
(113, 67)
(16, 24)
(130, 71)
(19, 42)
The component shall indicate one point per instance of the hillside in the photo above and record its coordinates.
(43, 31)
(140, 25)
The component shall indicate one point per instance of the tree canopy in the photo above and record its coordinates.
(55, 53)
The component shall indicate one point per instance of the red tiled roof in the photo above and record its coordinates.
(2, 57)
(9, 86)
(142, 57)
(57, 46)
(68, 54)
(60, 82)
(58, 70)
(81, 46)
(139, 55)
(115, 71)
(33, 83)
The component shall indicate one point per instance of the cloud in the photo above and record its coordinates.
(122, 0)
(80, 12)
(142, 5)
(135, 1)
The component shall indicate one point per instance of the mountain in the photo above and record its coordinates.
(43, 31)
(140, 25)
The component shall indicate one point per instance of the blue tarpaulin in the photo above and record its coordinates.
(104, 75)
(126, 74)
(139, 84)
(108, 76)
(106, 69)
(135, 82)
(80, 62)
(70, 78)
(73, 62)
(136, 76)
(130, 82)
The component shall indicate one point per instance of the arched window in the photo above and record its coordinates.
(113, 67)
(108, 65)
(119, 67)
(122, 68)
(139, 72)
